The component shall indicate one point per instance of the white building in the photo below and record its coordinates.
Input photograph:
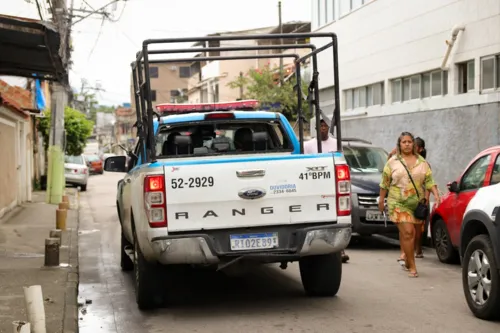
(394, 75)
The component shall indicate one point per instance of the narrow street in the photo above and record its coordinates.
(375, 296)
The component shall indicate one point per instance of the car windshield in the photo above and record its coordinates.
(92, 158)
(73, 159)
(365, 159)
(222, 137)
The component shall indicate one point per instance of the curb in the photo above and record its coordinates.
(70, 316)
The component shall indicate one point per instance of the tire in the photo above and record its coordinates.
(321, 275)
(125, 262)
(445, 251)
(490, 309)
(147, 280)
(83, 187)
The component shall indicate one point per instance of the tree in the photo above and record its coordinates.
(78, 129)
(263, 85)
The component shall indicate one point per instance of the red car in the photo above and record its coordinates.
(446, 219)
(94, 163)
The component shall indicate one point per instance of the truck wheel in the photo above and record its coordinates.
(442, 242)
(148, 288)
(321, 275)
(83, 188)
(481, 279)
(125, 262)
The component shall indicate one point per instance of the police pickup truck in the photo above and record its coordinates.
(232, 186)
(228, 184)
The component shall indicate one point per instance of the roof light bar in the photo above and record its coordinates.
(246, 105)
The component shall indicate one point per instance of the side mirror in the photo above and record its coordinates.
(116, 164)
(453, 187)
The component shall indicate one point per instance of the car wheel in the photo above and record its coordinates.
(321, 275)
(83, 187)
(481, 279)
(147, 280)
(442, 242)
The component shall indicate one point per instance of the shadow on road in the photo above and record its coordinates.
(199, 293)
(196, 293)
(373, 243)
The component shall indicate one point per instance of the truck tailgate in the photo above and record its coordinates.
(246, 192)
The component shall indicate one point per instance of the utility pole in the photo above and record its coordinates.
(281, 42)
(59, 98)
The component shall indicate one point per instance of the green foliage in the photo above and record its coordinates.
(78, 129)
(263, 85)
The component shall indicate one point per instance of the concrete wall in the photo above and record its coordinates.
(16, 166)
(8, 172)
(452, 136)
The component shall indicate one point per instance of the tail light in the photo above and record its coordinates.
(155, 201)
(343, 180)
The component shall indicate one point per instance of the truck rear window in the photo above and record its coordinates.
(221, 138)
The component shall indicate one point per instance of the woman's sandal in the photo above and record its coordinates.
(413, 275)
(419, 255)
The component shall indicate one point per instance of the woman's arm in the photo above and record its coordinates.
(381, 203)
(431, 186)
(435, 192)
(385, 183)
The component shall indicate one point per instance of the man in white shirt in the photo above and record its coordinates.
(328, 144)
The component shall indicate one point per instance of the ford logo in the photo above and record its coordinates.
(252, 193)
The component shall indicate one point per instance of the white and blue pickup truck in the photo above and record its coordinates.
(231, 188)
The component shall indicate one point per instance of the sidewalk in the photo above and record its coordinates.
(22, 245)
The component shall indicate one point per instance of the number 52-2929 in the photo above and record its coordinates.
(192, 182)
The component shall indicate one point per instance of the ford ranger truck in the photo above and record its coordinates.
(227, 188)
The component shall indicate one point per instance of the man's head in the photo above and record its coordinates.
(323, 130)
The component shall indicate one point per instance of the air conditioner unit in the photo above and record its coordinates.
(173, 68)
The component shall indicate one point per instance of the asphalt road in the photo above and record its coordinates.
(375, 296)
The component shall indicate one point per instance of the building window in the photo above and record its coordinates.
(153, 95)
(349, 98)
(185, 71)
(488, 79)
(419, 86)
(466, 73)
(345, 7)
(365, 96)
(153, 72)
(396, 90)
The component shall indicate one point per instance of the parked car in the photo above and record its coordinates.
(446, 219)
(366, 162)
(480, 252)
(76, 171)
(94, 163)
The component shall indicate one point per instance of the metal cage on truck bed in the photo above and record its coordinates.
(142, 84)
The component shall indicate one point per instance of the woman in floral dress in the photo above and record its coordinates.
(402, 196)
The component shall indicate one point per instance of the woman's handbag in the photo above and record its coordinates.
(422, 210)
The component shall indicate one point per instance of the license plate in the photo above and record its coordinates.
(374, 215)
(265, 240)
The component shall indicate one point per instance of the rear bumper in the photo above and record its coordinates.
(213, 247)
(76, 179)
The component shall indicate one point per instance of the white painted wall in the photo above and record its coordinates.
(385, 39)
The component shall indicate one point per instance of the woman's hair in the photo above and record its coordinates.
(398, 147)
(421, 144)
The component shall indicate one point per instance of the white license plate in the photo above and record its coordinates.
(374, 215)
(264, 240)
